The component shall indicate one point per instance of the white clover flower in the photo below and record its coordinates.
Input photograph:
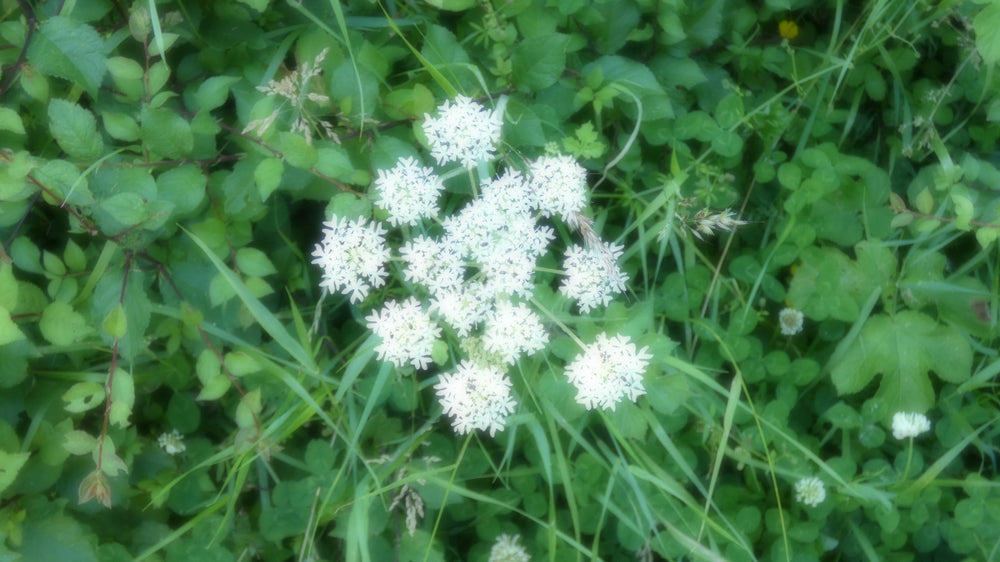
(593, 275)
(810, 491)
(559, 186)
(476, 397)
(352, 255)
(607, 370)
(434, 264)
(790, 321)
(506, 549)
(464, 131)
(512, 330)
(905, 425)
(408, 192)
(172, 442)
(407, 333)
(463, 307)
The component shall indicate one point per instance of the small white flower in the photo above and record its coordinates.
(810, 491)
(434, 264)
(476, 397)
(559, 186)
(790, 321)
(506, 549)
(172, 442)
(407, 333)
(607, 370)
(905, 425)
(352, 255)
(592, 275)
(408, 192)
(463, 307)
(509, 194)
(464, 131)
(512, 330)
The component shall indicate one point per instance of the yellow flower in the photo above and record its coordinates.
(788, 29)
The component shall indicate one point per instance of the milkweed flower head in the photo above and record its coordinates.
(790, 321)
(407, 331)
(408, 191)
(463, 131)
(607, 371)
(352, 255)
(476, 397)
(906, 425)
(810, 491)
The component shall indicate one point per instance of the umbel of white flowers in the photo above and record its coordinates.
(477, 275)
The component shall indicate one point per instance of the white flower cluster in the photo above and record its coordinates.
(474, 270)
(810, 491)
(507, 549)
(172, 443)
(790, 321)
(906, 425)
(607, 370)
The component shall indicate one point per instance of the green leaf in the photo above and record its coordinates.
(51, 535)
(10, 121)
(120, 126)
(297, 151)
(128, 209)
(62, 325)
(115, 322)
(83, 396)
(109, 293)
(122, 398)
(903, 349)
(166, 133)
(8, 286)
(539, 61)
(10, 465)
(252, 261)
(985, 25)
(79, 443)
(267, 176)
(248, 408)
(184, 186)
(213, 92)
(75, 129)
(67, 49)
(9, 332)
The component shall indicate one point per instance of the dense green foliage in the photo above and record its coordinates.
(159, 204)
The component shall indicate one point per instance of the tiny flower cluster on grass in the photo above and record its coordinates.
(473, 271)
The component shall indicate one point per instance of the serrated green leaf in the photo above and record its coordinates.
(213, 92)
(297, 152)
(10, 465)
(62, 325)
(538, 62)
(903, 349)
(8, 286)
(83, 396)
(985, 25)
(252, 261)
(248, 408)
(128, 209)
(963, 210)
(120, 126)
(75, 129)
(108, 294)
(9, 332)
(184, 186)
(239, 364)
(122, 398)
(11, 121)
(166, 133)
(71, 50)
(115, 323)
(267, 176)
(79, 442)
(925, 202)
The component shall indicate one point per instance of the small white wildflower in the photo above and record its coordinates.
(593, 275)
(464, 131)
(607, 370)
(476, 397)
(172, 442)
(506, 549)
(432, 263)
(559, 186)
(407, 333)
(408, 192)
(352, 255)
(462, 307)
(810, 491)
(905, 425)
(790, 321)
(509, 194)
(512, 330)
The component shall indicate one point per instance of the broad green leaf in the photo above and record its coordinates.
(252, 261)
(539, 61)
(267, 175)
(8, 286)
(240, 363)
(127, 209)
(297, 152)
(11, 121)
(10, 465)
(903, 349)
(184, 186)
(120, 126)
(134, 297)
(62, 325)
(75, 129)
(122, 398)
(115, 322)
(67, 49)
(83, 396)
(213, 92)
(166, 133)
(985, 25)
(248, 407)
